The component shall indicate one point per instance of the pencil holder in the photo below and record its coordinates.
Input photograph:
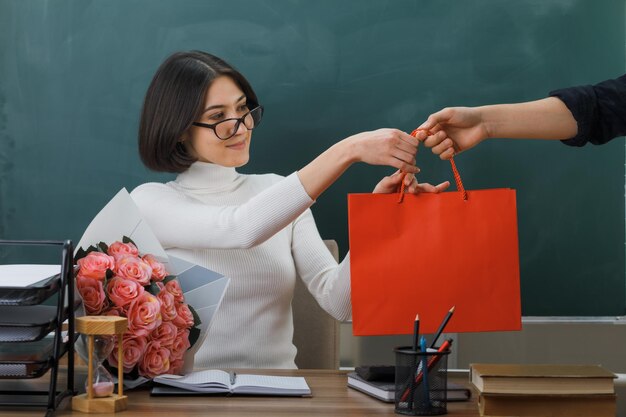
(421, 382)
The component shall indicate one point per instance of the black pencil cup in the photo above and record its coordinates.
(421, 382)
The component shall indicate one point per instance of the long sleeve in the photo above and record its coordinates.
(257, 231)
(600, 110)
(181, 221)
(327, 281)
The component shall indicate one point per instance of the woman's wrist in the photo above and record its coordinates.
(320, 173)
(347, 151)
(488, 119)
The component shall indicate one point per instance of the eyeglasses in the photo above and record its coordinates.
(227, 128)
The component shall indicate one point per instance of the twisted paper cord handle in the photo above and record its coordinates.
(457, 179)
(455, 172)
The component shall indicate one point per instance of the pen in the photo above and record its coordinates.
(431, 363)
(443, 324)
(233, 376)
(425, 372)
(416, 331)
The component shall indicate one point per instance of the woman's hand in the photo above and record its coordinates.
(391, 147)
(454, 129)
(391, 184)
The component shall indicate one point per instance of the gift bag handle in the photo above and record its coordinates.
(455, 172)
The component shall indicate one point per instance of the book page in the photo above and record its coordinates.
(268, 384)
(207, 378)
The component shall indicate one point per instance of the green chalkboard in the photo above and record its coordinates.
(73, 74)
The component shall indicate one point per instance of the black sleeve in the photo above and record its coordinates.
(600, 110)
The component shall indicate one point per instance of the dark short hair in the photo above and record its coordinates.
(174, 100)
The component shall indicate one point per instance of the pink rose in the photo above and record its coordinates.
(95, 265)
(130, 267)
(176, 366)
(115, 311)
(181, 344)
(160, 285)
(168, 305)
(165, 333)
(173, 287)
(122, 291)
(133, 348)
(118, 248)
(92, 293)
(184, 317)
(155, 361)
(144, 314)
(158, 269)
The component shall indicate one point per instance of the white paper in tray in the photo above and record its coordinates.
(23, 275)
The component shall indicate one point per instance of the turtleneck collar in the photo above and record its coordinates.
(205, 176)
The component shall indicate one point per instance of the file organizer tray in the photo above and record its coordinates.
(27, 360)
(30, 295)
(29, 323)
(25, 351)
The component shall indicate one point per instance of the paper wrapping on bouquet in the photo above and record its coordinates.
(428, 252)
(202, 288)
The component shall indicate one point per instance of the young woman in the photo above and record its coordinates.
(197, 120)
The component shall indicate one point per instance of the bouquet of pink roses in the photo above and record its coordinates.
(117, 280)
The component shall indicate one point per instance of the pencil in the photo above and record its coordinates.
(416, 331)
(443, 324)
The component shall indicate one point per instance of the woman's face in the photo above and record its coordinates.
(224, 100)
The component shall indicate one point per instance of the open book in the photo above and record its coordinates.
(216, 382)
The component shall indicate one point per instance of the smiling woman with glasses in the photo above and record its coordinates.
(197, 120)
(226, 129)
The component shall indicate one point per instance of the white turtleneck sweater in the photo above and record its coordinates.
(257, 230)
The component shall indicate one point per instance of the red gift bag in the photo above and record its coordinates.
(422, 254)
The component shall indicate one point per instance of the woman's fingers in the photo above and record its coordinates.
(447, 154)
(443, 146)
(435, 138)
(424, 187)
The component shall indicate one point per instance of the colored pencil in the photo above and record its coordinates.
(416, 331)
(443, 324)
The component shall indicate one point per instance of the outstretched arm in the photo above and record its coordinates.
(390, 147)
(456, 129)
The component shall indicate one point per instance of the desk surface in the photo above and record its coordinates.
(330, 396)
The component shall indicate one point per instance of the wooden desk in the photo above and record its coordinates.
(331, 397)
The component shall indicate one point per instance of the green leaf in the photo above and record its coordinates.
(153, 289)
(194, 334)
(80, 254)
(168, 279)
(126, 239)
(103, 247)
(109, 274)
